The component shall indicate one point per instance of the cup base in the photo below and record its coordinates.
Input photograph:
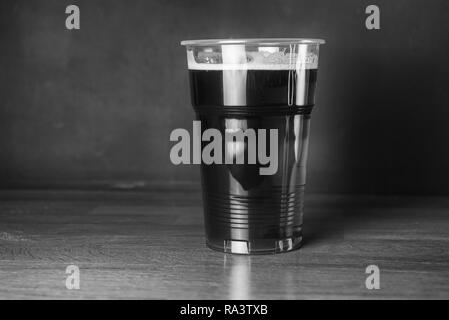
(256, 247)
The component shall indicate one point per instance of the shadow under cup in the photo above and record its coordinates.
(256, 95)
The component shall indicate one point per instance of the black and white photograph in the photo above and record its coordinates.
(224, 154)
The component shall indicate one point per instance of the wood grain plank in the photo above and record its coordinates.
(150, 245)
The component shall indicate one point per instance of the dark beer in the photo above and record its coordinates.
(263, 88)
(246, 212)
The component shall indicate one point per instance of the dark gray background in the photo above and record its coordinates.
(95, 107)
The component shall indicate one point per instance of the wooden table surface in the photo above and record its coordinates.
(151, 245)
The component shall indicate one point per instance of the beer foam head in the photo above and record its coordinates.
(238, 57)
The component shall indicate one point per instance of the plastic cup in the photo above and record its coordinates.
(245, 86)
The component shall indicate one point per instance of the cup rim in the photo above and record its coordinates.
(253, 41)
